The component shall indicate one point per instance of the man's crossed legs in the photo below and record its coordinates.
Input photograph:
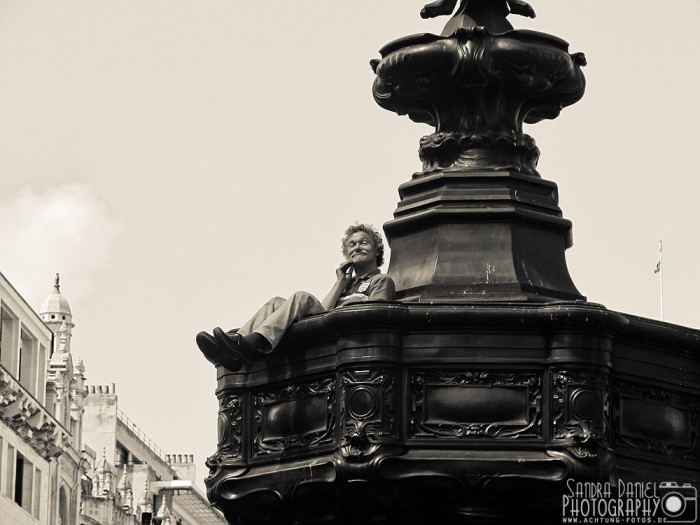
(261, 334)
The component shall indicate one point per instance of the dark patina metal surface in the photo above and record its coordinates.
(478, 222)
(407, 413)
(491, 382)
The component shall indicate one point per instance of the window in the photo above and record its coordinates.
(24, 482)
(121, 455)
(36, 510)
(62, 507)
(9, 485)
(27, 370)
(20, 481)
(19, 473)
(9, 342)
(18, 372)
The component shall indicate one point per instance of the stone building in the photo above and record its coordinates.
(41, 397)
(131, 478)
(68, 455)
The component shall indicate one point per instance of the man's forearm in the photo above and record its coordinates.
(351, 299)
(331, 299)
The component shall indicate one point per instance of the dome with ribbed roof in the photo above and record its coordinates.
(55, 307)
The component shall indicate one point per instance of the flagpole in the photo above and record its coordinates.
(661, 278)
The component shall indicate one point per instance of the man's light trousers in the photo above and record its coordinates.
(278, 314)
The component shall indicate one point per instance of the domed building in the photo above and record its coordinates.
(65, 383)
(55, 309)
(69, 455)
(40, 411)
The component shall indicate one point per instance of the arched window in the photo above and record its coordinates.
(62, 507)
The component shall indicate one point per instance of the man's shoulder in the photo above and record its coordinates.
(380, 277)
(382, 284)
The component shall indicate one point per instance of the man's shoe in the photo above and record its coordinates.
(235, 344)
(218, 355)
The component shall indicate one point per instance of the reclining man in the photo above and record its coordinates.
(364, 252)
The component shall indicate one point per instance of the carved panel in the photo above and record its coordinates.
(367, 410)
(476, 404)
(230, 427)
(294, 417)
(580, 410)
(655, 420)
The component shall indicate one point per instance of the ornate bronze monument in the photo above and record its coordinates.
(491, 383)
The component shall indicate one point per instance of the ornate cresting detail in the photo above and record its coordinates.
(21, 412)
(580, 411)
(477, 89)
(367, 411)
(476, 404)
(655, 420)
(294, 417)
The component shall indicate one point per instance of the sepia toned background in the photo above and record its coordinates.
(179, 162)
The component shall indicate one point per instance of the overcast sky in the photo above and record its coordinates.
(181, 161)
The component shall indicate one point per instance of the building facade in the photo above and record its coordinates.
(132, 480)
(41, 395)
(68, 455)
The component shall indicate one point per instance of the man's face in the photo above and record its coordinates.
(361, 249)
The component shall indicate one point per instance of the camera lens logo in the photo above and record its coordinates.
(679, 502)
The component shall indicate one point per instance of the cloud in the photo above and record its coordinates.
(66, 229)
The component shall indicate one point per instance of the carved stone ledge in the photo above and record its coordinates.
(29, 420)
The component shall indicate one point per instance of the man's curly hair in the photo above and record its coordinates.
(369, 230)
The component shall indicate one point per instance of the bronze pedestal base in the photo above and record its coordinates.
(473, 413)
